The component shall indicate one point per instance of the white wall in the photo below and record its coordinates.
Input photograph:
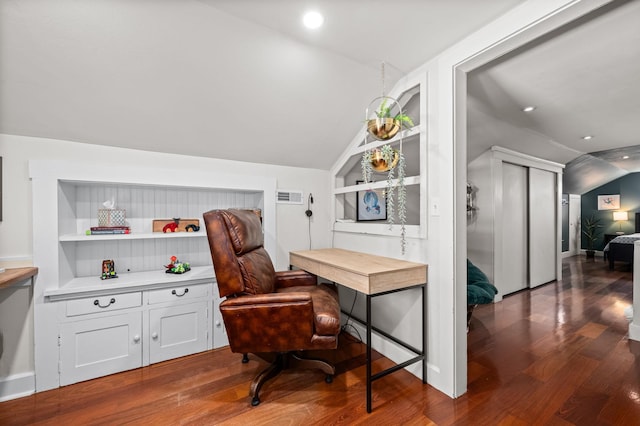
(16, 238)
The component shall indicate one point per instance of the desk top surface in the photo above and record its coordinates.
(12, 276)
(363, 272)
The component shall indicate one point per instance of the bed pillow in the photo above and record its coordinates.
(479, 289)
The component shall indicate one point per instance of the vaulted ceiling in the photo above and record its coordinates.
(240, 80)
(243, 80)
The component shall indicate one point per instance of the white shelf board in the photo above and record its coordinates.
(382, 184)
(130, 282)
(379, 228)
(406, 134)
(132, 236)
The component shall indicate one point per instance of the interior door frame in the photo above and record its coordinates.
(482, 55)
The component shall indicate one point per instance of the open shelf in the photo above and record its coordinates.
(131, 236)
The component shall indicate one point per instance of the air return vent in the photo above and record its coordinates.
(288, 197)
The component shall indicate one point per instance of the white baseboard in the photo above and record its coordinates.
(17, 386)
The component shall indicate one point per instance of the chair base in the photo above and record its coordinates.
(285, 361)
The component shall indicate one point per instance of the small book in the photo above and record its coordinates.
(109, 228)
(109, 232)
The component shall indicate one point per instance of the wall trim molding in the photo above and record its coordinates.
(17, 386)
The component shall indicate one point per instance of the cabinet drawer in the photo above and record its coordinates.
(114, 302)
(176, 293)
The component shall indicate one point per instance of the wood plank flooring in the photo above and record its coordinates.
(555, 355)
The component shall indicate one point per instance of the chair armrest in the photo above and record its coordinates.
(296, 278)
(268, 322)
(264, 299)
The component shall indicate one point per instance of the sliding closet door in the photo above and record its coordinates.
(514, 229)
(542, 227)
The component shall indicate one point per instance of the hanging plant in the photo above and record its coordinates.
(387, 159)
(385, 125)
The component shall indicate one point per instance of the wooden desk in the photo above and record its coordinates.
(12, 276)
(373, 276)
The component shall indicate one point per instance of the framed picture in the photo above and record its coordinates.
(609, 202)
(370, 205)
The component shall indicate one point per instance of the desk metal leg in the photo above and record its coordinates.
(424, 335)
(421, 354)
(368, 353)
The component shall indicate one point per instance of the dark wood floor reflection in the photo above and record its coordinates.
(556, 355)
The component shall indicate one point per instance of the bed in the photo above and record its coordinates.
(620, 249)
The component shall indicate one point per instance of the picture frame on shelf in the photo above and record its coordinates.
(371, 205)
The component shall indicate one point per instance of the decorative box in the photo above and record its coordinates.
(111, 217)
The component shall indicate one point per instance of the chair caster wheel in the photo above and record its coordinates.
(245, 359)
(328, 378)
(255, 401)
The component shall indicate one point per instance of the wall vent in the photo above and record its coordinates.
(288, 197)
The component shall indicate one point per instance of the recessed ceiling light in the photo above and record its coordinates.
(588, 137)
(625, 157)
(528, 108)
(313, 20)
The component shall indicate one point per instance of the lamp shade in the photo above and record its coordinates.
(620, 216)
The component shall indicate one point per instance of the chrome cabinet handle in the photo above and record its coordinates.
(111, 302)
(186, 290)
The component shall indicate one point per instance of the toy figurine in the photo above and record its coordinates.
(108, 270)
(170, 227)
(177, 267)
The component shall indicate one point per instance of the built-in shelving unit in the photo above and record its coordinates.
(87, 327)
(347, 173)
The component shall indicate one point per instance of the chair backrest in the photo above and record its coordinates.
(241, 263)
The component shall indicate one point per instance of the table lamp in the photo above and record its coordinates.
(619, 217)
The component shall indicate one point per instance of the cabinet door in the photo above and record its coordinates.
(100, 346)
(220, 337)
(176, 331)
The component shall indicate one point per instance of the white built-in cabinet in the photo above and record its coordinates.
(86, 327)
(514, 228)
(411, 95)
(101, 335)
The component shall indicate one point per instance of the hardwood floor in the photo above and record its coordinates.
(556, 355)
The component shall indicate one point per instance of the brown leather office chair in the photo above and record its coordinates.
(267, 312)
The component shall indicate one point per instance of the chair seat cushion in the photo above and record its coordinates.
(326, 308)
